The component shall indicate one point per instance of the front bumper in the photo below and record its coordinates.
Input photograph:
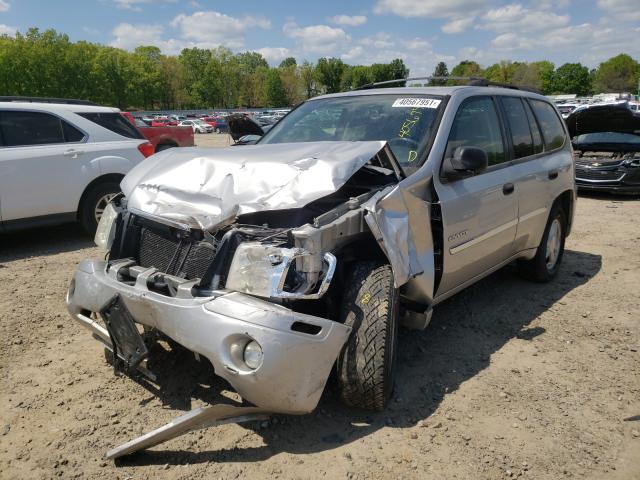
(295, 366)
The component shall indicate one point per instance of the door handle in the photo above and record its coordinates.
(553, 174)
(72, 152)
(508, 188)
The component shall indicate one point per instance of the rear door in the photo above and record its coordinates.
(541, 164)
(39, 161)
(480, 212)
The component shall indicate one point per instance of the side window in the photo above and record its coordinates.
(114, 122)
(538, 146)
(30, 128)
(552, 131)
(477, 125)
(519, 126)
(71, 133)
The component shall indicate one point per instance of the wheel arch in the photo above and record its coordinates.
(110, 177)
(566, 201)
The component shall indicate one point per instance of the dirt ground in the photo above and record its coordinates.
(511, 379)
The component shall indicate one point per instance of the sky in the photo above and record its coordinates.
(421, 32)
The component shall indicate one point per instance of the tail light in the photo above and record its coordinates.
(146, 149)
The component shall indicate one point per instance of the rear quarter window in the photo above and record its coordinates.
(550, 124)
(114, 122)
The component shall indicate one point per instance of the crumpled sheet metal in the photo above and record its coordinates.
(399, 219)
(205, 188)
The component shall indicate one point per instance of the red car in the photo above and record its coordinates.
(162, 135)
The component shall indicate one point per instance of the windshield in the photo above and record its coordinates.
(404, 121)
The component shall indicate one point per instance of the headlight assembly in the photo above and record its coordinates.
(106, 230)
(269, 271)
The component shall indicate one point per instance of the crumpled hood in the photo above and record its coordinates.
(207, 187)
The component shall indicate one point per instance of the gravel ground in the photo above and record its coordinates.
(511, 379)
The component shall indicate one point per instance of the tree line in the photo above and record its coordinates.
(619, 74)
(48, 64)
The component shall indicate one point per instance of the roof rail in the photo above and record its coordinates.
(471, 81)
(69, 101)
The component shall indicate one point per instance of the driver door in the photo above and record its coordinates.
(479, 212)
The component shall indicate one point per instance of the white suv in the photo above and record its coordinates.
(62, 160)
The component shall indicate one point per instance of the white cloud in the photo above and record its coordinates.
(428, 8)
(8, 30)
(134, 5)
(320, 39)
(417, 54)
(458, 25)
(626, 10)
(274, 55)
(211, 29)
(130, 36)
(4, 6)
(551, 4)
(416, 44)
(379, 40)
(516, 18)
(348, 20)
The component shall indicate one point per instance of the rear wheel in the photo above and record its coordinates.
(366, 364)
(94, 202)
(544, 266)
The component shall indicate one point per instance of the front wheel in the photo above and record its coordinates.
(366, 364)
(94, 202)
(544, 266)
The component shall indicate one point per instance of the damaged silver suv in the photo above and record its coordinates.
(358, 211)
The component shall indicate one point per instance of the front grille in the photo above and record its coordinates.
(182, 257)
(593, 174)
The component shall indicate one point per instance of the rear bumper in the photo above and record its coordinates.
(295, 367)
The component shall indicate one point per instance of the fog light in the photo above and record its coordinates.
(252, 354)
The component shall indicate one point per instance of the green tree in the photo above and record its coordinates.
(501, 72)
(571, 78)
(441, 70)
(329, 73)
(618, 74)
(288, 62)
(275, 94)
(308, 78)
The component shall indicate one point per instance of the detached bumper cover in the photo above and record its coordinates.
(295, 367)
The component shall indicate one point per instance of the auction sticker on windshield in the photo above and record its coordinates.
(416, 102)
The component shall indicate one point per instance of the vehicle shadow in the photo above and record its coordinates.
(465, 331)
(43, 241)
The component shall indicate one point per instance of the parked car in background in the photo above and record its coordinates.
(219, 124)
(62, 160)
(197, 125)
(606, 141)
(299, 256)
(165, 136)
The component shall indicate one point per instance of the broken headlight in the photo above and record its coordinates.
(270, 271)
(106, 230)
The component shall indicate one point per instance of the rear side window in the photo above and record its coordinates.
(477, 125)
(519, 126)
(538, 146)
(552, 131)
(113, 121)
(71, 133)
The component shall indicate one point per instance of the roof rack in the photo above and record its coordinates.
(69, 101)
(472, 81)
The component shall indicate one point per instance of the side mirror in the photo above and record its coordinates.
(466, 161)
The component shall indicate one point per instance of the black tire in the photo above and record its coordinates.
(160, 148)
(538, 268)
(92, 197)
(365, 367)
